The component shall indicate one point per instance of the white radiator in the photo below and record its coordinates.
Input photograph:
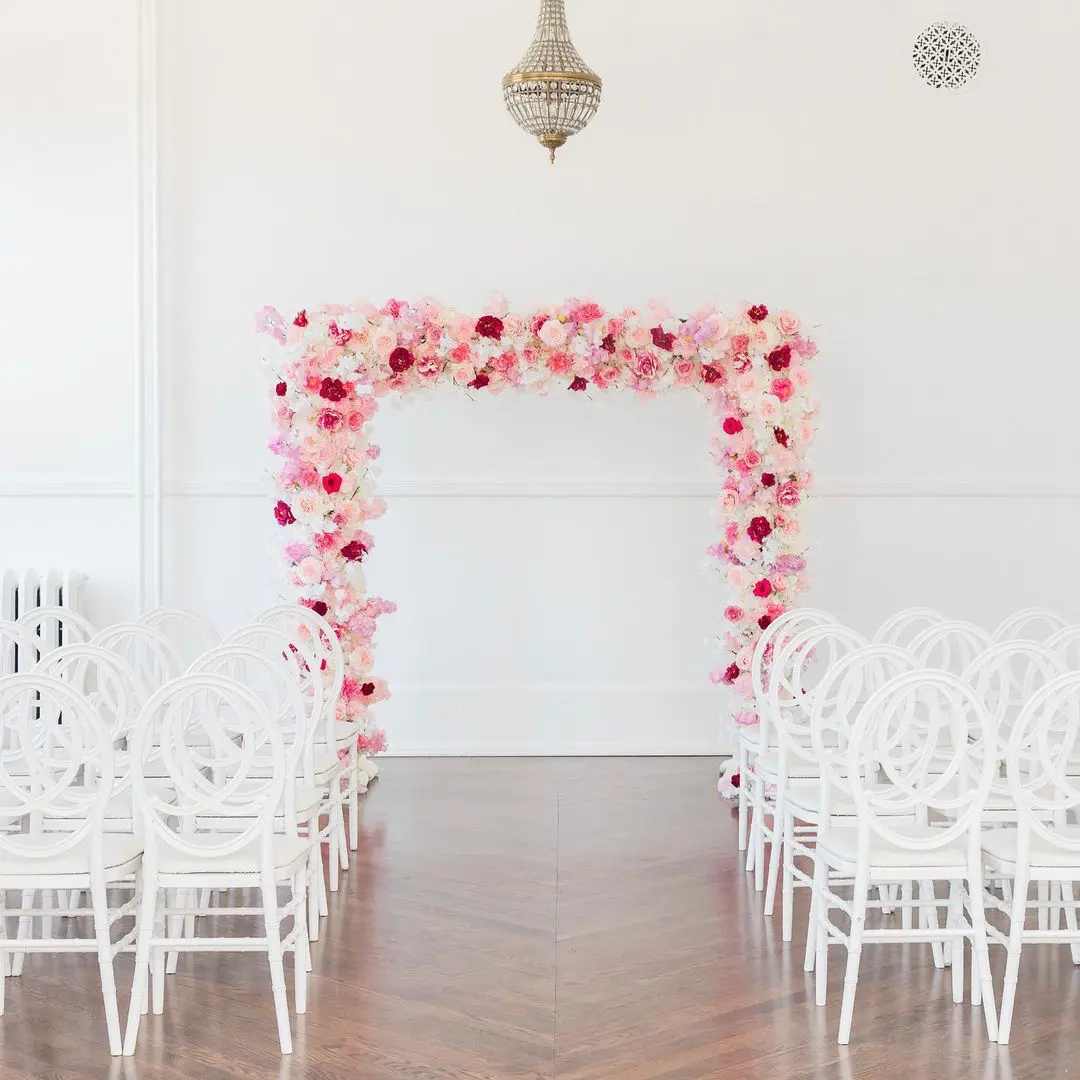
(23, 591)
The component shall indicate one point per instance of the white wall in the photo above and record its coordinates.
(547, 553)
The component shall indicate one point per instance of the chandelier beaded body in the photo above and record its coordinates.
(552, 93)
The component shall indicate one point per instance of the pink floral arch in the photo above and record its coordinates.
(336, 363)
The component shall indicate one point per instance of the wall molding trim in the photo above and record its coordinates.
(553, 488)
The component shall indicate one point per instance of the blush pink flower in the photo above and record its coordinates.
(553, 333)
(745, 718)
(648, 366)
(782, 389)
(734, 614)
(787, 323)
(559, 363)
(636, 337)
(729, 501)
(310, 571)
(685, 369)
(788, 494)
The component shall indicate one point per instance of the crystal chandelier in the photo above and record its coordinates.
(552, 93)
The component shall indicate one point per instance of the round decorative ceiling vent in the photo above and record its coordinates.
(946, 54)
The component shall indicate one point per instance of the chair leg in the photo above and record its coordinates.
(851, 974)
(743, 802)
(102, 924)
(789, 877)
(178, 898)
(146, 913)
(26, 926)
(812, 930)
(1044, 901)
(314, 883)
(301, 953)
(776, 852)
(272, 920)
(47, 905)
(906, 898)
(929, 919)
(955, 921)
(1069, 907)
(821, 934)
(760, 815)
(981, 979)
(1012, 963)
(157, 955)
(354, 799)
(337, 845)
(887, 896)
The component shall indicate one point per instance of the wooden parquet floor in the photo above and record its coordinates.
(578, 919)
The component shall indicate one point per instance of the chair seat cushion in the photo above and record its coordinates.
(287, 851)
(769, 765)
(1001, 845)
(118, 849)
(842, 845)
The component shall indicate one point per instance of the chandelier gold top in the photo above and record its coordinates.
(552, 93)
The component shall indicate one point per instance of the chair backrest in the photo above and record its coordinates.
(903, 627)
(51, 770)
(1031, 624)
(936, 749)
(950, 646)
(310, 630)
(1040, 764)
(780, 630)
(223, 754)
(1065, 645)
(844, 690)
(151, 655)
(19, 648)
(301, 663)
(190, 632)
(105, 678)
(277, 682)
(800, 667)
(54, 626)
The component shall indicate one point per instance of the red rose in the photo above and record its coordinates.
(354, 551)
(608, 344)
(320, 608)
(489, 326)
(579, 383)
(765, 622)
(734, 781)
(780, 358)
(757, 312)
(768, 479)
(763, 588)
(662, 340)
(731, 674)
(301, 318)
(732, 425)
(758, 529)
(281, 389)
(283, 513)
(331, 483)
(339, 336)
(332, 390)
(328, 420)
(781, 436)
(401, 360)
(480, 381)
(711, 374)
(367, 689)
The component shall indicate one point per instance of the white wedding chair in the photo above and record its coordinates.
(1045, 846)
(846, 687)
(912, 720)
(757, 742)
(799, 664)
(1031, 624)
(55, 626)
(189, 632)
(901, 629)
(1065, 644)
(210, 732)
(19, 648)
(63, 772)
(336, 755)
(153, 658)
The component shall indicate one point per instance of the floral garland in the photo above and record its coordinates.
(339, 361)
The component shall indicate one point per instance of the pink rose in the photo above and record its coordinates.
(648, 367)
(328, 420)
(513, 325)
(559, 363)
(729, 502)
(734, 614)
(637, 337)
(310, 570)
(553, 333)
(609, 372)
(788, 494)
(297, 552)
(752, 459)
(731, 532)
(787, 323)
(782, 389)
(326, 541)
(745, 718)
(684, 370)
(383, 342)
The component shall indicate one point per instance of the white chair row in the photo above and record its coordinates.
(886, 770)
(176, 773)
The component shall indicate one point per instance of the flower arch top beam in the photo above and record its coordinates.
(336, 363)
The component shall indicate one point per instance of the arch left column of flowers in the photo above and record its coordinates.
(336, 364)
